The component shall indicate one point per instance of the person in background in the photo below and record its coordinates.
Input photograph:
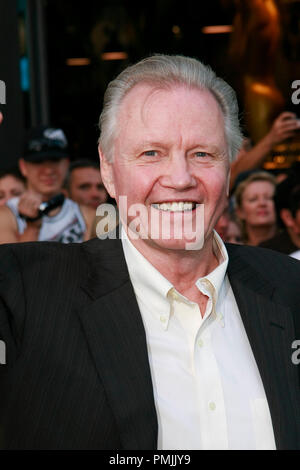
(221, 226)
(234, 231)
(44, 165)
(84, 184)
(229, 228)
(287, 203)
(255, 207)
(285, 126)
(12, 184)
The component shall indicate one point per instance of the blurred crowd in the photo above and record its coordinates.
(265, 211)
(50, 198)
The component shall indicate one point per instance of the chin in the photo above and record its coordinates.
(177, 245)
(50, 192)
(92, 204)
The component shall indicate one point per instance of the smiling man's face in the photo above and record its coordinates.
(169, 155)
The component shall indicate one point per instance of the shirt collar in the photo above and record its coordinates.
(149, 284)
(216, 277)
(152, 288)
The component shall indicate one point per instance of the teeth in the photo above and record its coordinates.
(175, 206)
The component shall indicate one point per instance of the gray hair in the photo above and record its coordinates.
(166, 71)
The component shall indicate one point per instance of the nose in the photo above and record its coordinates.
(178, 174)
(95, 193)
(48, 167)
(263, 201)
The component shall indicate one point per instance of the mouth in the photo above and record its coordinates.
(48, 181)
(262, 213)
(180, 206)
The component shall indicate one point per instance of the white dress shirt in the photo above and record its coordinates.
(207, 388)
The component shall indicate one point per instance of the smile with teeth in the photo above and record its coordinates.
(175, 206)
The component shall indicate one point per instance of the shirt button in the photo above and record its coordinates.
(212, 406)
(221, 319)
(200, 343)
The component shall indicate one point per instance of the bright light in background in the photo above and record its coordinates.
(218, 29)
(176, 29)
(78, 61)
(114, 55)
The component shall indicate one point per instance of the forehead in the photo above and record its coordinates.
(259, 186)
(179, 108)
(39, 164)
(145, 94)
(9, 180)
(87, 173)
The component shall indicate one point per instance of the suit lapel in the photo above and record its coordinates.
(117, 341)
(116, 337)
(270, 329)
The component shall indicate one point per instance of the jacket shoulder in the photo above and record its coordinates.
(272, 265)
(29, 253)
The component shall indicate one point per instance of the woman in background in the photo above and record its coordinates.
(255, 207)
(12, 184)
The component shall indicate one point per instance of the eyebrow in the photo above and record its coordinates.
(149, 143)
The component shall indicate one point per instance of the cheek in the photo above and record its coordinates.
(134, 182)
(272, 204)
(245, 210)
(36, 174)
(217, 187)
(248, 209)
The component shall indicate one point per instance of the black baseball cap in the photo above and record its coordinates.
(45, 143)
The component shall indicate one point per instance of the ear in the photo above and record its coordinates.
(287, 218)
(107, 174)
(228, 183)
(23, 167)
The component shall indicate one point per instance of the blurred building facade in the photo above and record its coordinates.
(57, 57)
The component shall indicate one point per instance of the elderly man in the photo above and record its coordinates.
(163, 339)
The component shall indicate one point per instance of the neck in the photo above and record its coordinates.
(181, 267)
(45, 196)
(257, 235)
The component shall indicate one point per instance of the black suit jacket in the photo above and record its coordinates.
(77, 374)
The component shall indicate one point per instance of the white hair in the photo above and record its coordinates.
(166, 71)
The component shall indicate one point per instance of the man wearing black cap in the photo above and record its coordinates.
(42, 212)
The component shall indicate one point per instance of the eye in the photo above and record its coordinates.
(201, 154)
(150, 153)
